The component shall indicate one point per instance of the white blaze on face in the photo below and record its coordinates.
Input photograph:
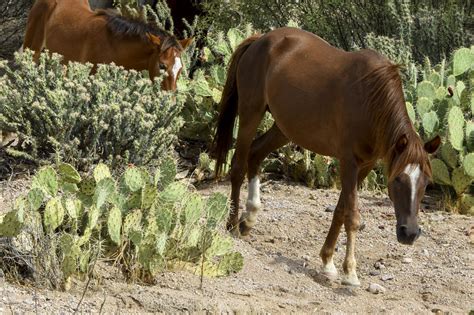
(413, 171)
(176, 67)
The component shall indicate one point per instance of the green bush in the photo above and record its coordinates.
(62, 111)
(144, 223)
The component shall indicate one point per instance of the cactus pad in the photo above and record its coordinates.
(430, 122)
(132, 222)
(470, 135)
(216, 209)
(192, 210)
(134, 201)
(87, 186)
(456, 127)
(460, 180)
(423, 106)
(114, 224)
(440, 172)
(73, 207)
(11, 224)
(35, 198)
(93, 217)
(449, 155)
(426, 89)
(468, 164)
(149, 194)
(104, 190)
(133, 179)
(68, 173)
(46, 180)
(53, 214)
(411, 112)
(101, 171)
(462, 61)
(167, 172)
(466, 204)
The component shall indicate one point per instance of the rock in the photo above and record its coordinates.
(379, 265)
(306, 257)
(375, 273)
(426, 252)
(407, 260)
(386, 277)
(330, 209)
(376, 288)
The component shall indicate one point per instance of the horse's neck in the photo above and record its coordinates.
(134, 53)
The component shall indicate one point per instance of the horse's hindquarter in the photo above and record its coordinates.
(309, 91)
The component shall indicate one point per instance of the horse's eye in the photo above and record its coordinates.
(398, 179)
(162, 67)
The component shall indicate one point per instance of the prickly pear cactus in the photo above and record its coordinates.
(468, 164)
(449, 155)
(456, 128)
(216, 209)
(430, 122)
(35, 198)
(167, 172)
(87, 186)
(192, 210)
(101, 171)
(132, 222)
(460, 180)
(46, 180)
(466, 204)
(11, 224)
(149, 194)
(103, 191)
(114, 225)
(67, 173)
(133, 179)
(53, 214)
(440, 172)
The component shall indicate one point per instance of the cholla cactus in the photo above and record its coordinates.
(113, 115)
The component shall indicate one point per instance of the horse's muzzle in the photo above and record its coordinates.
(407, 235)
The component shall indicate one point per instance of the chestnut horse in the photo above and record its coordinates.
(72, 29)
(348, 105)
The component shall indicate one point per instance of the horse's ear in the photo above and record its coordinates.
(185, 43)
(155, 40)
(401, 143)
(432, 145)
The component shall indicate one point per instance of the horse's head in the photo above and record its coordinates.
(167, 57)
(407, 184)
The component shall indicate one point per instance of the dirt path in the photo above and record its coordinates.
(281, 267)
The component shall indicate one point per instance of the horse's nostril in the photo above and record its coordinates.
(403, 230)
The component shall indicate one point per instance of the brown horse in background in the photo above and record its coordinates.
(72, 29)
(348, 105)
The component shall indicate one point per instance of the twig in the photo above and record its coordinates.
(88, 281)
(103, 303)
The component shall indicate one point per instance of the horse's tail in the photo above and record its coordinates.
(228, 108)
(36, 25)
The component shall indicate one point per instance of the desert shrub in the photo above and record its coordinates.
(145, 224)
(62, 111)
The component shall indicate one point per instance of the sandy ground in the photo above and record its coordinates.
(281, 268)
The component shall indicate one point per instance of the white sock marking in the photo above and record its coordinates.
(414, 172)
(176, 67)
(253, 201)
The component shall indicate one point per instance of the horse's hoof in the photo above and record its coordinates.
(244, 229)
(351, 280)
(330, 271)
(234, 231)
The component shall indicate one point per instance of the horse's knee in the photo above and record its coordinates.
(352, 220)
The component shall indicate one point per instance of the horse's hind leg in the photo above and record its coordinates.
(35, 28)
(261, 147)
(249, 119)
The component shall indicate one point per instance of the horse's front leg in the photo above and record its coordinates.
(346, 213)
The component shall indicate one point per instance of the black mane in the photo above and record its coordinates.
(129, 27)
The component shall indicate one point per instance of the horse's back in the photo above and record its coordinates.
(303, 80)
